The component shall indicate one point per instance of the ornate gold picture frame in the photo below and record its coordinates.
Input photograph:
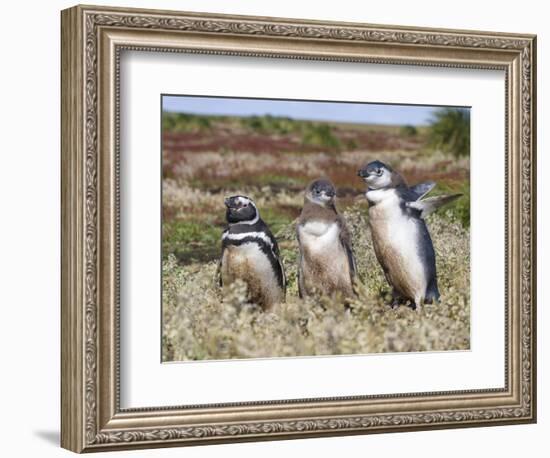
(93, 39)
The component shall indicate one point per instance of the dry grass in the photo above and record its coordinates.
(203, 322)
(203, 165)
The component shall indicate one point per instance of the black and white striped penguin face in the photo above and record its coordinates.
(241, 209)
(321, 192)
(377, 175)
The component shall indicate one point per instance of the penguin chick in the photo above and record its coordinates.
(326, 263)
(250, 253)
(401, 239)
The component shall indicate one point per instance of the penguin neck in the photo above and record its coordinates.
(313, 211)
(396, 187)
(246, 226)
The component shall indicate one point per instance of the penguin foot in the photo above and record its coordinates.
(397, 300)
(432, 299)
(395, 304)
(348, 308)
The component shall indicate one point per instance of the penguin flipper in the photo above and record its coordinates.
(218, 275)
(431, 204)
(283, 276)
(421, 189)
(345, 240)
(301, 286)
(300, 274)
(276, 254)
(351, 260)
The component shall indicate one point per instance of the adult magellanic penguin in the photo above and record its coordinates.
(326, 263)
(250, 253)
(401, 240)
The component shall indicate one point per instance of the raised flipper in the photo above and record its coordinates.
(421, 189)
(431, 204)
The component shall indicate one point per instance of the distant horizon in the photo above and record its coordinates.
(366, 123)
(302, 110)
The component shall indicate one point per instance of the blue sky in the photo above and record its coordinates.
(315, 111)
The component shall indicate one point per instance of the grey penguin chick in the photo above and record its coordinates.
(250, 253)
(326, 263)
(401, 239)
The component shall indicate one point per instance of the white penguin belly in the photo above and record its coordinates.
(248, 263)
(396, 240)
(325, 264)
(319, 236)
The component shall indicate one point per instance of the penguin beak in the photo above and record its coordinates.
(362, 173)
(227, 202)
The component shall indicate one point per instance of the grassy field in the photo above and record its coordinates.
(271, 160)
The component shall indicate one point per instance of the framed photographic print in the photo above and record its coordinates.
(278, 228)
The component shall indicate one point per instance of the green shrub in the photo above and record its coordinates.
(450, 131)
(408, 131)
(268, 124)
(352, 144)
(459, 209)
(182, 122)
(320, 135)
(191, 241)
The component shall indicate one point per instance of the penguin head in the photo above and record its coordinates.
(377, 175)
(241, 209)
(321, 192)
